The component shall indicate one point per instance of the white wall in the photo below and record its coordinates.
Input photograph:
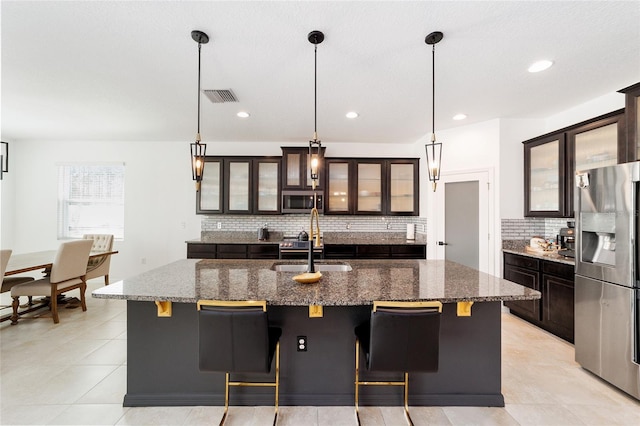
(159, 193)
(585, 111)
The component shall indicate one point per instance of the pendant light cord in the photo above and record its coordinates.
(315, 93)
(433, 92)
(199, 55)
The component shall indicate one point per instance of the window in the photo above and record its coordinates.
(90, 200)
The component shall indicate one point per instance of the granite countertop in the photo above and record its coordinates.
(189, 280)
(517, 247)
(335, 238)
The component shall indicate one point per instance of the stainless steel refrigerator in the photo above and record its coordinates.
(607, 297)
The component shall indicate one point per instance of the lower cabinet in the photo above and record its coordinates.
(372, 251)
(232, 251)
(555, 310)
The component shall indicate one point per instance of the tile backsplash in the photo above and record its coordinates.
(291, 224)
(524, 229)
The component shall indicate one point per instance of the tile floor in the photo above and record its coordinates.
(74, 373)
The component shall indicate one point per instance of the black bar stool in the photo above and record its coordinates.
(399, 337)
(235, 337)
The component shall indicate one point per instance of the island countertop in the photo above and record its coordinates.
(188, 280)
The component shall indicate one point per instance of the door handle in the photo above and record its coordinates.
(442, 243)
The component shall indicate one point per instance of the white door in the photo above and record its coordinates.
(463, 228)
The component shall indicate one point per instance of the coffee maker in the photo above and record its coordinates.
(567, 237)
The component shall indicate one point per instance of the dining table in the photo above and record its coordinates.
(27, 262)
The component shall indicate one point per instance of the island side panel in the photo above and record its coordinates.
(162, 363)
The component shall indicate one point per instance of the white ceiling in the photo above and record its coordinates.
(128, 70)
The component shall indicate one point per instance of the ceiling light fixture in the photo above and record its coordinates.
(315, 145)
(540, 66)
(352, 114)
(458, 117)
(198, 150)
(434, 150)
(243, 114)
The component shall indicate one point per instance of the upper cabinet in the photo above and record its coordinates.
(295, 166)
(544, 165)
(632, 118)
(240, 185)
(372, 186)
(551, 161)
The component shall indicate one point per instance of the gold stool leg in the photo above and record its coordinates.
(406, 398)
(357, 382)
(275, 418)
(226, 398)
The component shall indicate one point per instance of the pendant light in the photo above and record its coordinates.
(315, 145)
(198, 150)
(434, 150)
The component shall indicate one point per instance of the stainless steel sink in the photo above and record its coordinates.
(302, 267)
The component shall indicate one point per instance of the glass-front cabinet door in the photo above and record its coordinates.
(403, 184)
(544, 163)
(209, 198)
(632, 119)
(338, 195)
(598, 143)
(237, 183)
(267, 184)
(369, 188)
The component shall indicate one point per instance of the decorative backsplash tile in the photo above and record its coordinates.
(524, 229)
(291, 224)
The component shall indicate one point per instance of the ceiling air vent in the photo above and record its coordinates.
(220, 96)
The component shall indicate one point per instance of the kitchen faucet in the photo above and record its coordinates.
(313, 241)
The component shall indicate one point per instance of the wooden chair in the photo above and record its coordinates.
(9, 282)
(399, 337)
(235, 337)
(68, 272)
(99, 266)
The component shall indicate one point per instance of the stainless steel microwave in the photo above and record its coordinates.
(301, 201)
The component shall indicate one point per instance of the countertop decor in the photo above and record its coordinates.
(518, 247)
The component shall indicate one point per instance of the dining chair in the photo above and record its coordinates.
(99, 266)
(236, 337)
(9, 282)
(399, 337)
(68, 272)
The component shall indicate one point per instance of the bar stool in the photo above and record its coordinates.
(399, 337)
(235, 337)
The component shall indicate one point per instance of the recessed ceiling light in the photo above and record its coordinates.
(352, 114)
(243, 114)
(460, 116)
(540, 66)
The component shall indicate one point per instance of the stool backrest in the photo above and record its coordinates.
(71, 260)
(233, 338)
(405, 339)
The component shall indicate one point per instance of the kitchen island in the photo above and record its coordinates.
(162, 351)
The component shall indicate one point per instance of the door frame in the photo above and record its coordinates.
(486, 208)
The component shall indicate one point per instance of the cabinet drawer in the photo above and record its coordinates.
(561, 270)
(521, 261)
(201, 251)
(373, 252)
(409, 252)
(232, 251)
(339, 251)
(263, 251)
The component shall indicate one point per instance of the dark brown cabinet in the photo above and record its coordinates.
(232, 251)
(554, 311)
(240, 185)
(295, 168)
(375, 251)
(367, 186)
(551, 160)
(632, 118)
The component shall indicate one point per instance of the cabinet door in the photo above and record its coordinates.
(529, 309)
(267, 182)
(369, 187)
(237, 185)
(558, 306)
(403, 196)
(295, 166)
(209, 198)
(544, 177)
(596, 144)
(632, 121)
(339, 199)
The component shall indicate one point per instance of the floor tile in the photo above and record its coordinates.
(542, 414)
(110, 390)
(30, 414)
(157, 416)
(490, 416)
(336, 416)
(90, 414)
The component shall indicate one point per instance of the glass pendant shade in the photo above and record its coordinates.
(434, 160)
(315, 147)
